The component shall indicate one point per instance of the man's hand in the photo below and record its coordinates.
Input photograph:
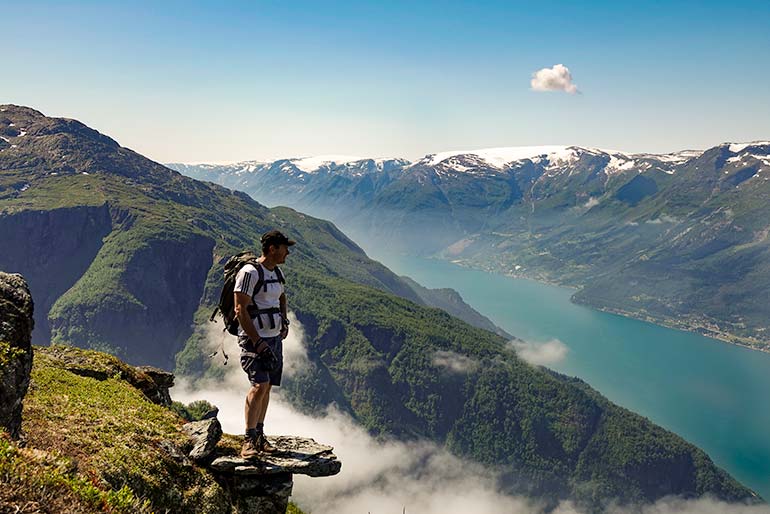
(284, 325)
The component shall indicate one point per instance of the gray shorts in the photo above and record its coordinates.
(251, 366)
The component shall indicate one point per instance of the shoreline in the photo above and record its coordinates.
(717, 335)
(722, 336)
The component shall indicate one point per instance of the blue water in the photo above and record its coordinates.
(713, 394)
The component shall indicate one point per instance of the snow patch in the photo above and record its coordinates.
(205, 164)
(313, 164)
(22, 133)
(739, 147)
(621, 164)
(498, 157)
(564, 157)
(355, 165)
(24, 187)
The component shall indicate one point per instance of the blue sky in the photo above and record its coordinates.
(199, 81)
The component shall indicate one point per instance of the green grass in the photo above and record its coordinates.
(104, 441)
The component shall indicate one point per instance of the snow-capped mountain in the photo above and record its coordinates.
(669, 236)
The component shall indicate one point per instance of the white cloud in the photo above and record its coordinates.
(663, 219)
(549, 352)
(454, 362)
(386, 476)
(592, 202)
(557, 78)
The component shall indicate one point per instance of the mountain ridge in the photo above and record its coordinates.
(699, 212)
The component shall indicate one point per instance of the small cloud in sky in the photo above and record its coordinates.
(557, 78)
(550, 352)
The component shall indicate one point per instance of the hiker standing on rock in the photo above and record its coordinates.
(260, 307)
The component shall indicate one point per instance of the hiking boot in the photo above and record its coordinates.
(250, 448)
(264, 445)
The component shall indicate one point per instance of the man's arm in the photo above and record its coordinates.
(242, 301)
(284, 315)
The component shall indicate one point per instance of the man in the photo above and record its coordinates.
(261, 313)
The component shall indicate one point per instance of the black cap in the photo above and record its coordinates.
(274, 237)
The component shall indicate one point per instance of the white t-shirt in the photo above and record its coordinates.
(245, 282)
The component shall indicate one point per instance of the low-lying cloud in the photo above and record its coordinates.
(557, 78)
(386, 476)
(454, 362)
(663, 219)
(549, 352)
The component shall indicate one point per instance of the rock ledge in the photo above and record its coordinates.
(295, 455)
(265, 482)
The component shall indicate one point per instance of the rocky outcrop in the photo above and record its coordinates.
(156, 388)
(153, 382)
(16, 324)
(263, 484)
(205, 435)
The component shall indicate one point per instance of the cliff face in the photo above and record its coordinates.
(16, 325)
(52, 249)
(147, 306)
(143, 311)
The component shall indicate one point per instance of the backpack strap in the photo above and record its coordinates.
(261, 280)
(262, 283)
(254, 312)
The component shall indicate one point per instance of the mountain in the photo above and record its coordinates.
(679, 239)
(125, 255)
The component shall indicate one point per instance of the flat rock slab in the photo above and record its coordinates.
(296, 455)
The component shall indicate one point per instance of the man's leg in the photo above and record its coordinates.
(264, 444)
(265, 390)
(256, 404)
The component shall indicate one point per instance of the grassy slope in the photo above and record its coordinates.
(94, 445)
(97, 445)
